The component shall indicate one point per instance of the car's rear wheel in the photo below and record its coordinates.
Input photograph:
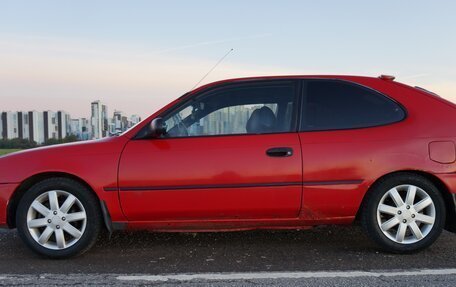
(58, 218)
(404, 213)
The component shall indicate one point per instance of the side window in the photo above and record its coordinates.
(235, 110)
(334, 105)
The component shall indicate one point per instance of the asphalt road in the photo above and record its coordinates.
(328, 249)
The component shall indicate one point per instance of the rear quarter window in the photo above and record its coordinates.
(336, 105)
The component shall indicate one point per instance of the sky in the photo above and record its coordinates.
(137, 56)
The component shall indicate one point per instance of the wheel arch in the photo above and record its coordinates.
(448, 198)
(28, 183)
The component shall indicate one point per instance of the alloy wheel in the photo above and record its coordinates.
(56, 219)
(406, 214)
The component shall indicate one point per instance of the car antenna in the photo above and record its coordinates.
(213, 68)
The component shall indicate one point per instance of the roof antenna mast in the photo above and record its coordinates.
(213, 68)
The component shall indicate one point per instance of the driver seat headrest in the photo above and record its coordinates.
(262, 120)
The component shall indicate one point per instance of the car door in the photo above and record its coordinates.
(230, 152)
(345, 132)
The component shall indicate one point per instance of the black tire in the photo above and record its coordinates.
(86, 198)
(369, 219)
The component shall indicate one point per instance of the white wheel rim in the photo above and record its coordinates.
(406, 214)
(56, 219)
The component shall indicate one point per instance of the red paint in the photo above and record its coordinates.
(6, 191)
(233, 185)
(210, 161)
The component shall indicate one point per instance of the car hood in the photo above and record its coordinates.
(65, 147)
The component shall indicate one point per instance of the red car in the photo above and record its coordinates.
(255, 153)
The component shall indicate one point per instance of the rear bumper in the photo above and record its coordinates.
(449, 179)
(451, 215)
(6, 191)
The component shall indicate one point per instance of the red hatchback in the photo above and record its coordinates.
(271, 152)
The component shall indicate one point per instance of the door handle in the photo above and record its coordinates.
(280, 152)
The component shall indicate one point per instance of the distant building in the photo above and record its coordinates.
(134, 119)
(119, 122)
(86, 129)
(226, 120)
(50, 125)
(63, 124)
(40, 127)
(80, 128)
(36, 127)
(99, 120)
(76, 127)
(10, 128)
(23, 129)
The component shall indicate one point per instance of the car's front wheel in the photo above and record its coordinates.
(58, 218)
(404, 213)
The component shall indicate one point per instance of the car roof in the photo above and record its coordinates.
(282, 77)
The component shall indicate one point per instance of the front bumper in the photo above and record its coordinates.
(6, 192)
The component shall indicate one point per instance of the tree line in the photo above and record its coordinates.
(18, 143)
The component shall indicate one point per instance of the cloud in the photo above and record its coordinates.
(47, 73)
(207, 43)
(56, 73)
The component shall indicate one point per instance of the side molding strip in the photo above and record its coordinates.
(247, 185)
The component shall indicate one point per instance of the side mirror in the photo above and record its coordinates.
(157, 128)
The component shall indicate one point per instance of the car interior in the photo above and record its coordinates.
(262, 119)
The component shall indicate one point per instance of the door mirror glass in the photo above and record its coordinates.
(157, 128)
